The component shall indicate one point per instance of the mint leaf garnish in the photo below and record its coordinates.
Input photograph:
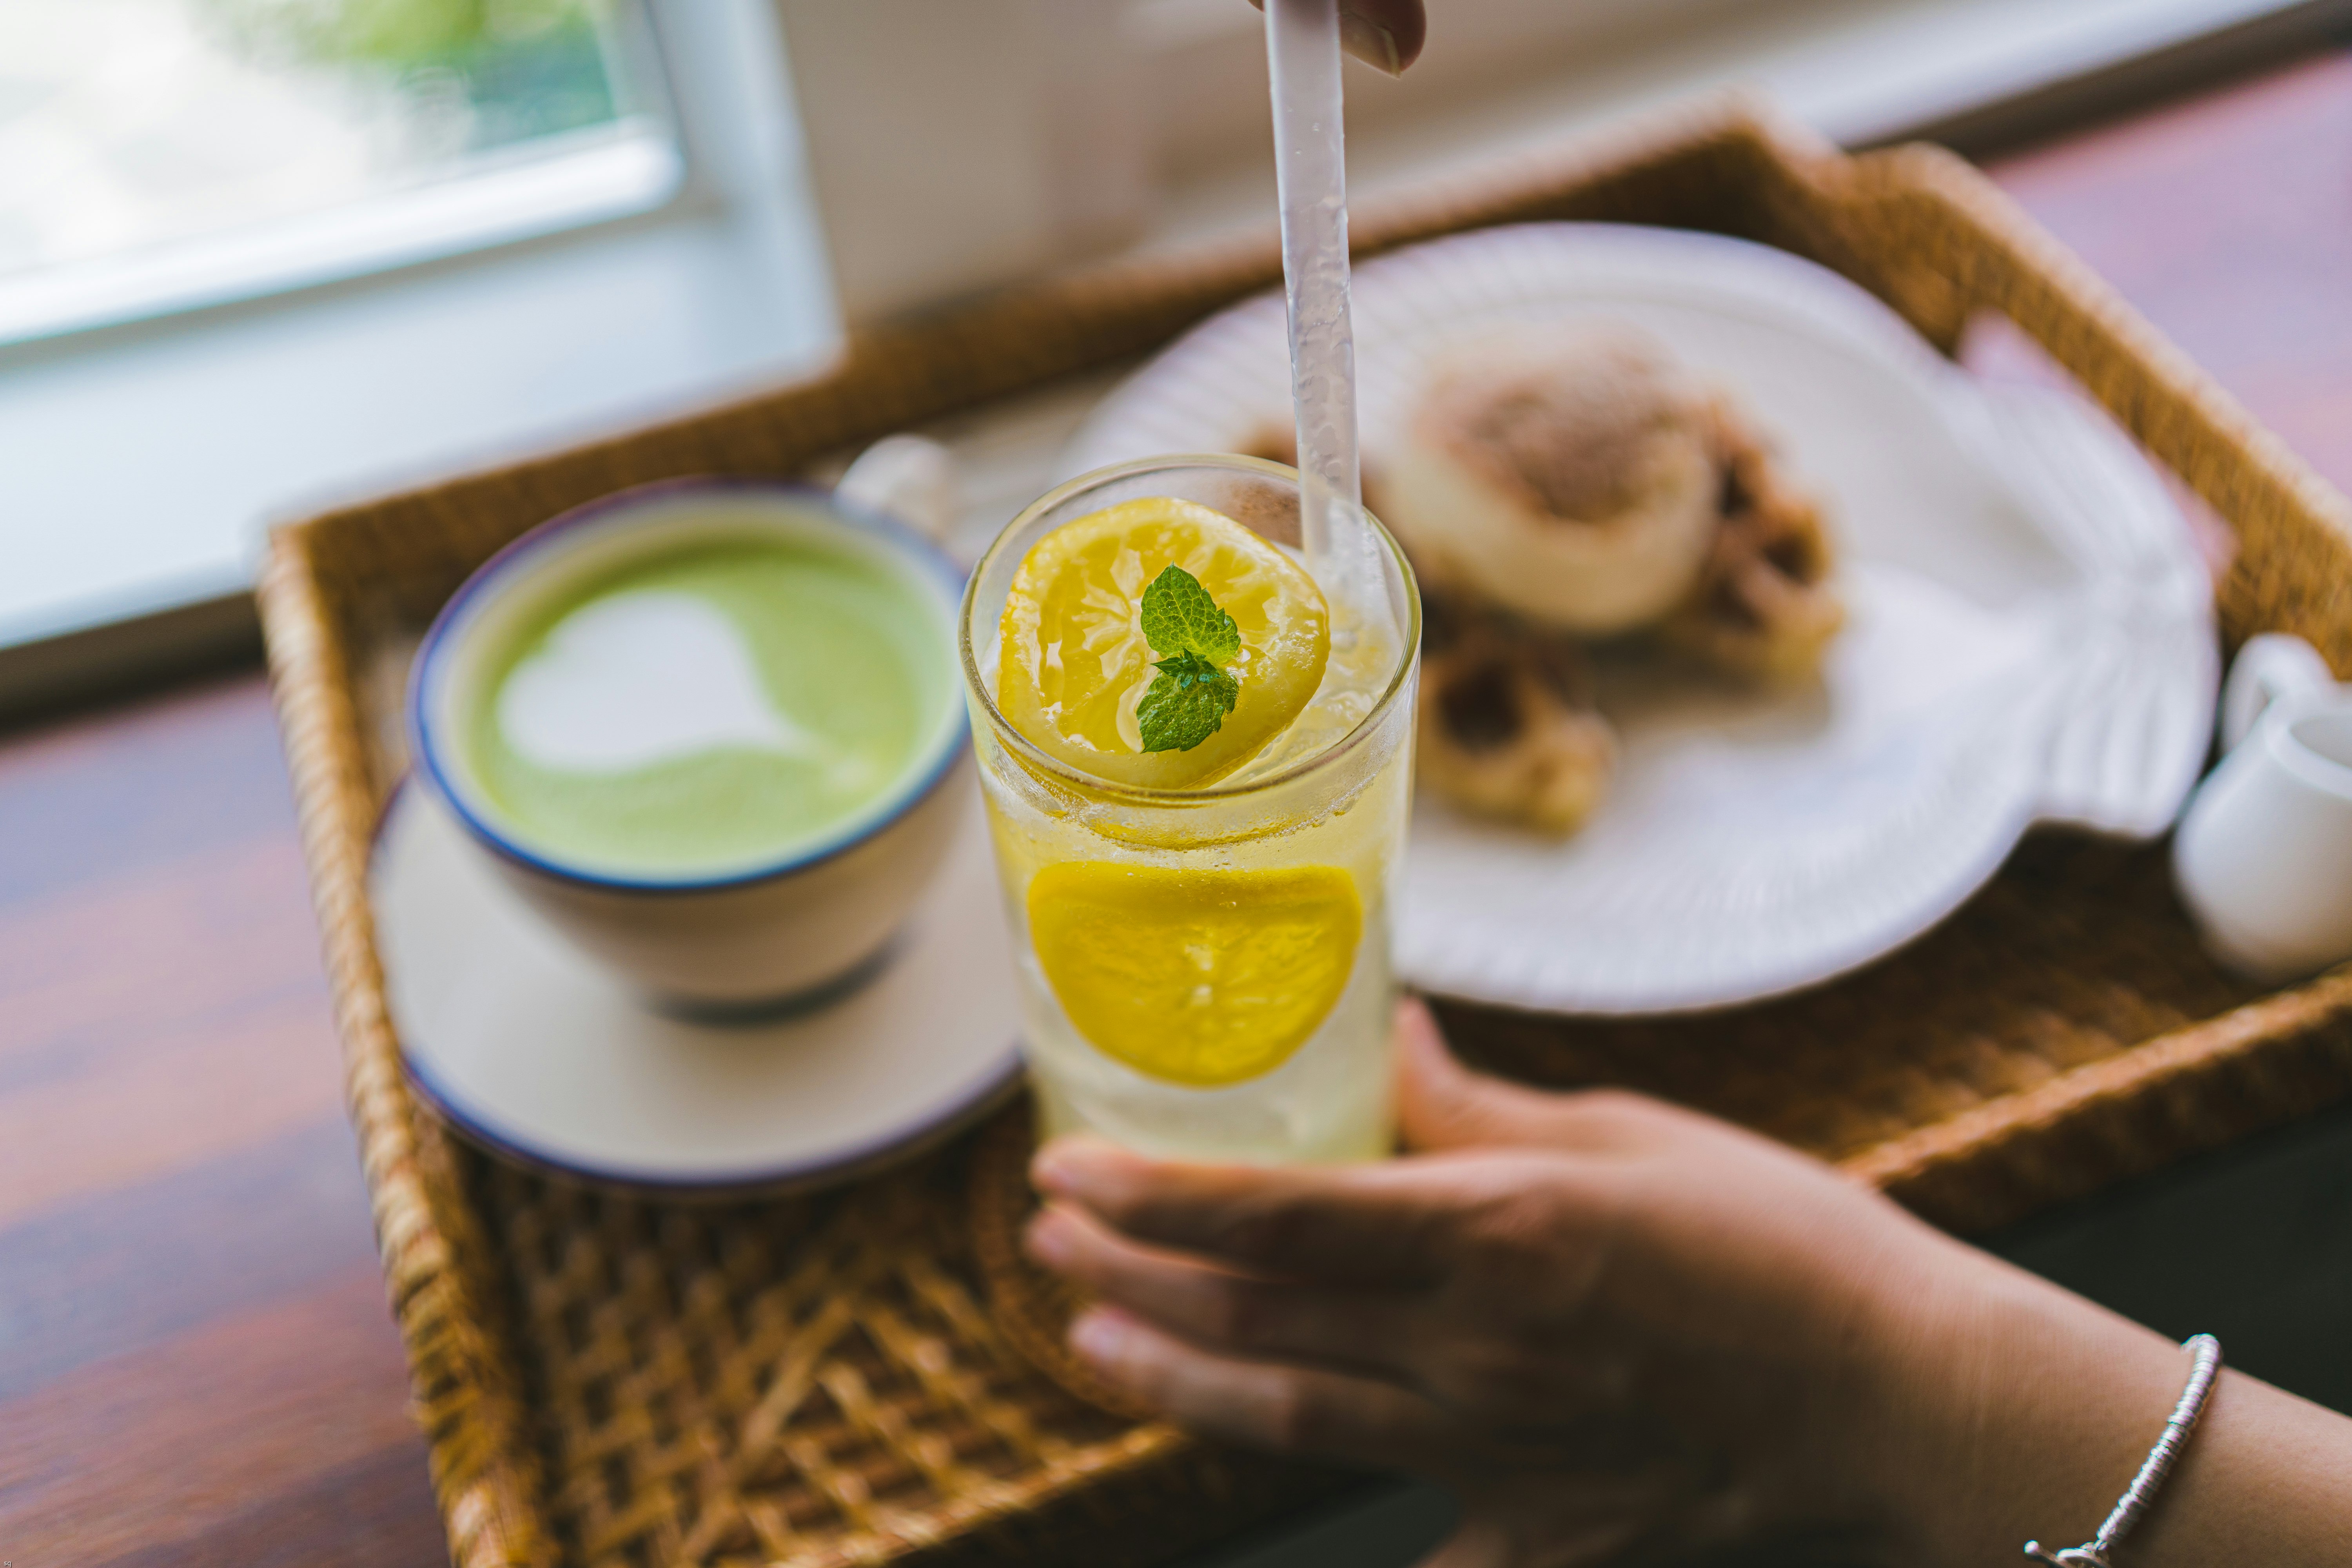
(1179, 616)
(1187, 703)
(1189, 698)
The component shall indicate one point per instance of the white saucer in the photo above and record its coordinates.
(2030, 634)
(530, 1050)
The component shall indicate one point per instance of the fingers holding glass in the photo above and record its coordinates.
(1473, 1324)
(1442, 1104)
(1219, 1310)
(1362, 1225)
(1304, 1411)
(1595, 1491)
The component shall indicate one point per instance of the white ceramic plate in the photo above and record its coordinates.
(2030, 634)
(529, 1049)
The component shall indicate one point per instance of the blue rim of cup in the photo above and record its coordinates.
(495, 572)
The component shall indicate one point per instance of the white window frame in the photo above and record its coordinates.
(590, 177)
(140, 461)
(544, 185)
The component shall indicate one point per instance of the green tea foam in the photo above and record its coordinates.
(709, 709)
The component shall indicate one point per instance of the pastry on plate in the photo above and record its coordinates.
(1506, 724)
(1277, 441)
(1568, 484)
(1565, 474)
(1764, 605)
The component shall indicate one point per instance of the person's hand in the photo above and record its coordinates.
(1618, 1330)
(1600, 1320)
(1383, 33)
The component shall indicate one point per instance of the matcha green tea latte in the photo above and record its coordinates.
(698, 683)
(707, 728)
(716, 706)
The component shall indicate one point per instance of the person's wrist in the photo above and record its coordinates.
(1834, 1453)
(2007, 1409)
(1875, 1431)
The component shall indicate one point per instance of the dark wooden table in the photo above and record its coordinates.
(196, 1365)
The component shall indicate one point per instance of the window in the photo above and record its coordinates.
(260, 256)
(156, 154)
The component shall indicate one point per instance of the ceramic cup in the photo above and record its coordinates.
(757, 938)
(2263, 857)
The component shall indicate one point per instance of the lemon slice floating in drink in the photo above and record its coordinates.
(1159, 643)
(1076, 663)
(1197, 978)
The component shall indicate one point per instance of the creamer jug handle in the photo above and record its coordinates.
(2272, 667)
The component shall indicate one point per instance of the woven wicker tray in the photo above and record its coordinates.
(819, 1381)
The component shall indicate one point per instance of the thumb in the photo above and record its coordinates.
(1387, 34)
(1475, 1544)
(1567, 1537)
(1443, 1105)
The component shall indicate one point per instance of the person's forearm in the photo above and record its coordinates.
(2036, 1409)
(2266, 1482)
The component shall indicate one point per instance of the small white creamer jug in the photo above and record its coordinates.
(2263, 858)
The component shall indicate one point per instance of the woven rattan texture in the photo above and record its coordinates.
(801, 1381)
(612, 1382)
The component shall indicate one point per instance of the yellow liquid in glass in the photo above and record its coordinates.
(1208, 976)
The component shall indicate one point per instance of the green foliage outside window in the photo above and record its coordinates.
(523, 68)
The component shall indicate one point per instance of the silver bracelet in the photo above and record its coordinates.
(2093, 1553)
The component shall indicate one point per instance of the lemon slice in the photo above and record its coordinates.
(1076, 662)
(1203, 978)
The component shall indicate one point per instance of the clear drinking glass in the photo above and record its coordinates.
(1289, 862)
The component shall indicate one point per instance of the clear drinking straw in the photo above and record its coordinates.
(1302, 52)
